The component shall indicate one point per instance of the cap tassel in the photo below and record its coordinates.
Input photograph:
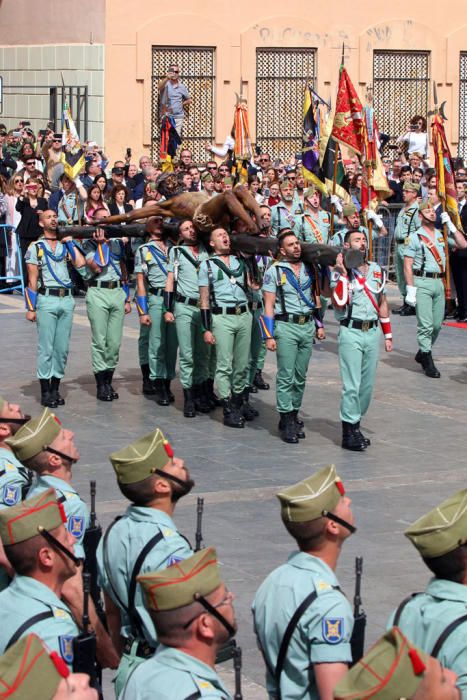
(168, 449)
(418, 665)
(340, 487)
(59, 664)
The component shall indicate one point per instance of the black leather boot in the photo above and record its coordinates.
(362, 437)
(248, 412)
(209, 390)
(418, 357)
(55, 391)
(287, 428)
(299, 425)
(161, 393)
(259, 382)
(47, 398)
(253, 389)
(108, 378)
(103, 393)
(167, 388)
(189, 410)
(201, 401)
(350, 439)
(429, 366)
(148, 385)
(232, 416)
(407, 310)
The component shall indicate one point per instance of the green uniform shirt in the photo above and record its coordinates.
(323, 632)
(111, 272)
(361, 306)
(24, 598)
(76, 510)
(184, 263)
(15, 479)
(262, 262)
(298, 293)
(408, 220)
(53, 268)
(152, 261)
(227, 289)
(70, 209)
(426, 617)
(282, 217)
(314, 229)
(124, 543)
(339, 236)
(417, 249)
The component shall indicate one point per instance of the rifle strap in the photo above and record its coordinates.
(194, 696)
(401, 608)
(106, 564)
(134, 616)
(447, 632)
(30, 622)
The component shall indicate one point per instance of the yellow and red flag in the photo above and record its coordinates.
(444, 170)
(243, 151)
(72, 155)
(347, 128)
(375, 187)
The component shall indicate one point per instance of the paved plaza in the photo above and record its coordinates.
(419, 441)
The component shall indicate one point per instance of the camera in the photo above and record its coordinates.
(128, 152)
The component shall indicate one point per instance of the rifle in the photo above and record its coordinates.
(199, 521)
(84, 645)
(237, 661)
(92, 537)
(114, 231)
(357, 642)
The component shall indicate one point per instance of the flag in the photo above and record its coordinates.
(348, 119)
(243, 151)
(327, 171)
(374, 179)
(310, 142)
(170, 140)
(72, 152)
(444, 170)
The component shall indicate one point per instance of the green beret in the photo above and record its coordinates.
(28, 671)
(392, 668)
(35, 435)
(21, 522)
(141, 459)
(411, 186)
(206, 177)
(441, 530)
(310, 192)
(308, 499)
(349, 210)
(181, 583)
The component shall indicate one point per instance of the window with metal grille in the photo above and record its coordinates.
(197, 73)
(281, 78)
(462, 147)
(401, 81)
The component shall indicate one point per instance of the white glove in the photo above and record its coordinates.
(337, 203)
(373, 216)
(446, 219)
(411, 296)
(78, 182)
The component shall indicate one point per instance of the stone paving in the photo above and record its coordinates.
(417, 457)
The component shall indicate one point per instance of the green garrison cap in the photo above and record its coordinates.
(393, 668)
(411, 186)
(2, 403)
(21, 522)
(441, 530)
(310, 191)
(28, 670)
(228, 180)
(349, 210)
(306, 500)
(141, 459)
(206, 177)
(35, 435)
(425, 205)
(182, 582)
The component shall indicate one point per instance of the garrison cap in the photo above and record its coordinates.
(28, 670)
(207, 177)
(441, 530)
(2, 403)
(21, 522)
(392, 668)
(141, 459)
(308, 499)
(181, 583)
(35, 435)
(349, 210)
(228, 180)
(310, 191)
(425, 205)
(411, 186)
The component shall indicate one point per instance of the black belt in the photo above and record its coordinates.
(430, 275)
(358, 324)
(301, 319)
(55, 292)
(255, 305)
(143, 650)
(191, 301)
(157, 291)
(230, 310)
(105, 285)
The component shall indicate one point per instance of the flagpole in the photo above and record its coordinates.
(336, 161)
(439, 158)
(368, 164)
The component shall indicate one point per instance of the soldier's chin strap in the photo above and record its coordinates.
(58, 545)
(16, 421)
(173, 478)
(339, 521)
(59, 454)
(215, 613)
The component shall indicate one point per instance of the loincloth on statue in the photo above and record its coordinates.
(202, 221)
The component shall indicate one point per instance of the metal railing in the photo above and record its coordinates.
(384, 246)
(12, 279)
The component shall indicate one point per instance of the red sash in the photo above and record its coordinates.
(315, 228)
(433, 250)
(362, 281)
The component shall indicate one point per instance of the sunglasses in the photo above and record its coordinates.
(31, 162)
(16, 182)
(264, 160)
(212, 167)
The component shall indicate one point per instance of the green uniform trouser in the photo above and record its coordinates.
(358, 359)
(54, 321)
(193, 351)
(106, 311)
(430, 311)
(257, 347)
(162, 350)
(294, 345)
(233, 336)
(143, 345)
(399, 262)
(212, 361)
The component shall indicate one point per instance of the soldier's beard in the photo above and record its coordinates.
(178, 491)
